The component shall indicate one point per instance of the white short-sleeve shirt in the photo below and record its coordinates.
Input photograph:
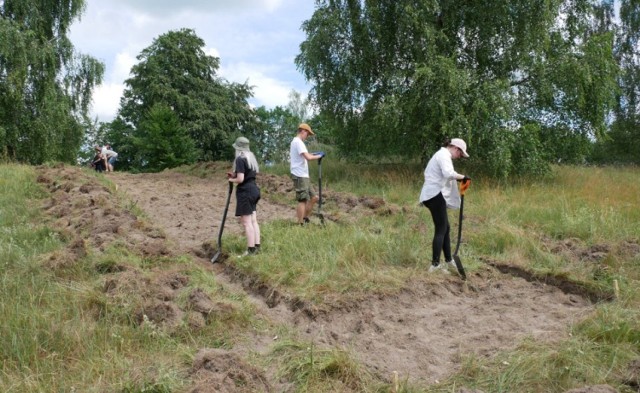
(299, 166)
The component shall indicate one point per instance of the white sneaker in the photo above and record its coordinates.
(452, 265)
(438, 268)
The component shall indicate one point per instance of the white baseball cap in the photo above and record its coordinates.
(460, 144)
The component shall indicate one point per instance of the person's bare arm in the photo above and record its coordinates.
(310, 157)
(238, 178)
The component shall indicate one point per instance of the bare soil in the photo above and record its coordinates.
(421, 334)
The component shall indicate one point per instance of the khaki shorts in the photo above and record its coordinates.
(303, 188)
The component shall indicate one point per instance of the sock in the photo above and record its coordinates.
(251, 250)
(257, 246)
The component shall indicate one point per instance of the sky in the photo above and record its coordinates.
(256, 41)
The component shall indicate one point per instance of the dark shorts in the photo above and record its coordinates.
(247, 197)
(112, 160)
(303, 188)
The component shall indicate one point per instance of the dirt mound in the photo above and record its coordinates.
(338, 207)
(220, 371)
(85, 211)
(631, 377)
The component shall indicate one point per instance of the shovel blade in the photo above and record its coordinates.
(215, 257)
(460, 267)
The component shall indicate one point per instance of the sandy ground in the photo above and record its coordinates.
(421, 334)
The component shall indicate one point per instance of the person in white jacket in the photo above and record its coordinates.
(440, 190)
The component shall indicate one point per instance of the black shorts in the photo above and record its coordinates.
(247, 198)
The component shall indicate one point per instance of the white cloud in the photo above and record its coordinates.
(106, 97)
(212, 52)
(106, 100)
(267, 91)
(122, 68)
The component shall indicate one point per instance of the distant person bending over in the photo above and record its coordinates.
(245, 168)
(98, 162)
(299, 155)
(110, 157)
(440, 190)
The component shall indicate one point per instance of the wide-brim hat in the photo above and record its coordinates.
(306, 127)
(241, 144)
(460, 144)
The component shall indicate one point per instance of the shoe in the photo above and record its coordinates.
(452, 265)
(247, 253)
(438, 268)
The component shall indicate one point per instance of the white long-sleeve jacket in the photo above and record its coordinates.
(439, 176)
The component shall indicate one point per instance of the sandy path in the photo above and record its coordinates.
(189, 208)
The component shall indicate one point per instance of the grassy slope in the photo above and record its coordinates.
(525, 224)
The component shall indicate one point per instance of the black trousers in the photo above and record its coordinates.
(441, 241)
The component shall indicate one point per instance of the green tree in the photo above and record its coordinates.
(396, 78)
(622, 144)
(299, 107)
(93, 135)
(271, 138)
(45, 86)
(176, 72)
(276, 127)
(162, 142)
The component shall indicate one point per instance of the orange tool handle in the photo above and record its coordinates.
(464, 184)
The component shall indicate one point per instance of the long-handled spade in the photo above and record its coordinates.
(463, 188)
(224, 218)
(320, 215)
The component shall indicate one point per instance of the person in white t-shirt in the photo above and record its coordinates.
(299, 168)
(440, 190)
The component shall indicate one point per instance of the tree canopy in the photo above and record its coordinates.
(622, 144)
(397, 78)
(175, 72)
(276, 127)
(45, 86)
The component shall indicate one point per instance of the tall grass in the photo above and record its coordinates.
(396, 183)
(556, 225)
(377, 255)
(317, 369)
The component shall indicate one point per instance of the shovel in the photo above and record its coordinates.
(224, 218)
(320, 215)
(463, 188)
